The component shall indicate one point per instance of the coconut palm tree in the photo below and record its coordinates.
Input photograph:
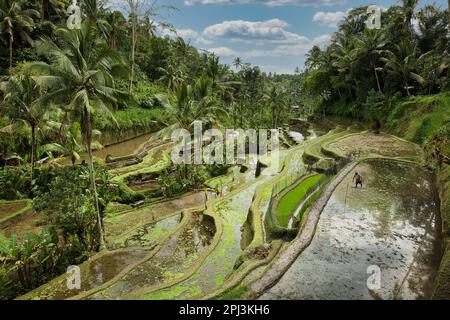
(409, 7)
(172, 76)
(192, 103)
(22, 104)
(80, 78)
(314, 58)
(16, 20)
(237, 63)
(404, 62)
(370, 45)
(276, 100)
(94, 13)
(118, 25)
(47, 7)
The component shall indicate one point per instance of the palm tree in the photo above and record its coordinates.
(370, 45)
(343, 56)
(192, 103)
(313, 58)
(403, 63)
(409, 6)
(276, 100)
(214, 69)
(172, 76)
(94, 13)
(118, 26)
(182, 49)
(237, 63)
(46, 7)
(80, 77)
(21, 100)
(16, 20)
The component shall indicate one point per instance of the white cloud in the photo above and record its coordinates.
(223, 52)
(330, 19)
(272, 35)
(272, 3)
(284, 50)
(254, 32)
(187, 33)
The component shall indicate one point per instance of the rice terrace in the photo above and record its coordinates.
(142, 160)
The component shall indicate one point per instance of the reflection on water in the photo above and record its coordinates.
(392, 223)
(297, 136)
(175, 256)
(116, 150)
(148, 234)
(99, 271)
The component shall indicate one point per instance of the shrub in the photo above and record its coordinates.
(68, 203)
(15, 183)
(423, 132)
(178, 179)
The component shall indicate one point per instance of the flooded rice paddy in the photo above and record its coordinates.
(219, 264)
(116, 150)
(148, 234)
(174, 257)
(392, 223)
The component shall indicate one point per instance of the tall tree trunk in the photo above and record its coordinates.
(33, 149)
(42, 10)
(234, 114)
(376, 76)
(407, 88)
(449, 14)
(87, 118)
(10, 51)
(273, 117)
(133, 49)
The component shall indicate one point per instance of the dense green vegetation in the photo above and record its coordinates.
(61, 89)
(373, 74)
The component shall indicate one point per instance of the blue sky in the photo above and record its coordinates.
(274, 34)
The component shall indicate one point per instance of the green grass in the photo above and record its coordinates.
(234, 294)
(441, 288)
(132, 118)
(308, 204)
(3, 239)
(290, 201)
(420, 118)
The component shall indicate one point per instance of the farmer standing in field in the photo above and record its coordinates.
(358, 179)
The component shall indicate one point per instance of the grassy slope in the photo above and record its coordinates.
(291, 200)
(442, 283)
(132, 118)
(419, 119)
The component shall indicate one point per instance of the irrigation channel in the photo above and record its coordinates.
(239, 243)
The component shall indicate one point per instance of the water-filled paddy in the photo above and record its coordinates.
(174, 257)
(393, 223)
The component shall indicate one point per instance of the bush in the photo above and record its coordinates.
(181, 178)
(15, 183)
(68, 202)
(423, 132)
(28, 264)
